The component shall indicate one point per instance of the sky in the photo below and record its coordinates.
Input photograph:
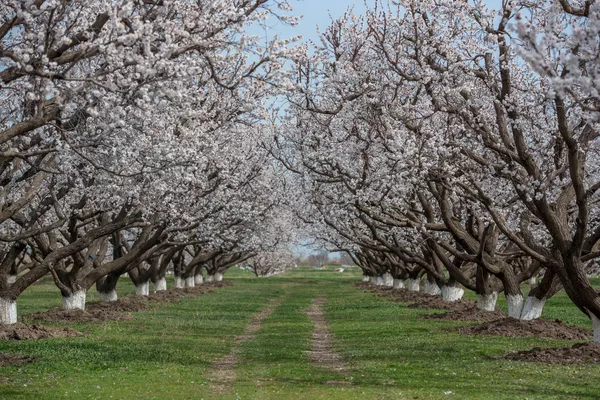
(317, 13)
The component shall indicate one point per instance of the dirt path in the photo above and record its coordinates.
(222, 372)
(323, 354)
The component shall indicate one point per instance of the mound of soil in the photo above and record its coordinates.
(216, 285)
(32, 332)
(468, 314)
(121, 309)
(93, 315)
(13, 359)
(580, 353)
(418, 299)
(436, 302)
(125, 304)
(511, 327)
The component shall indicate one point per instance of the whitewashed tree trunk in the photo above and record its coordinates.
(532, 280)
(452, 293)
(365, 278)
(190, 282)
(8, 311)
(388, 279)
(533, 308)
(76, 301)
(515, 305)
(431, 288)
(108, 297)
(143, 289)
(179, 282)
(398, 284)
(218, 277)
(414, 285)
(210, 278)
(198, 279)
(160, 285)
(487, 302)
(596, 327)
(10, 279)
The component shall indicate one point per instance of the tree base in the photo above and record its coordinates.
(190, 282)
(143, 289)
(108, 297)
(76, 301)
(414, 285)
(487, 302)
(160, 285)
(533, 308)
(8, 311)
(452, 293)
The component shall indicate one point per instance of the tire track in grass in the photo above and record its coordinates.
(323, 354)
(222, 372)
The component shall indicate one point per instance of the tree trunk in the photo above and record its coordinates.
(486, 297)
(190, 282)
(452, 291)
(108, 296)
(582, 294)
(431, 287)
(75, 301)
(413, 285)
(8, 311)
(160, 285)
(142, 288)
(106, 286)
(513, 294)
(388, 280)
(534, 306)
(398, 284)
(487, 302)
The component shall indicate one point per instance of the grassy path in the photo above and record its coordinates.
(223, 371)
(269, 326)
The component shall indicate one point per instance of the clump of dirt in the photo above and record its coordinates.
(418, 299)
(436, 302)
(121, 309)
(216, 285)
(580, 353)
(511, 327)
(13, 359)
(125, 304)
(93, 315)
(33, 332)
(468, 314)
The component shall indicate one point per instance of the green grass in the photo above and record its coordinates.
(167, 353)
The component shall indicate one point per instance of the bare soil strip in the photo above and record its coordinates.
(34, 332)
(223, 374)
(510, 327)
(121, 309)
(323, 354)
(13, 359)
(580, 353)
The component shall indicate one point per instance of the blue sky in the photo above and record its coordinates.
(317, 13)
